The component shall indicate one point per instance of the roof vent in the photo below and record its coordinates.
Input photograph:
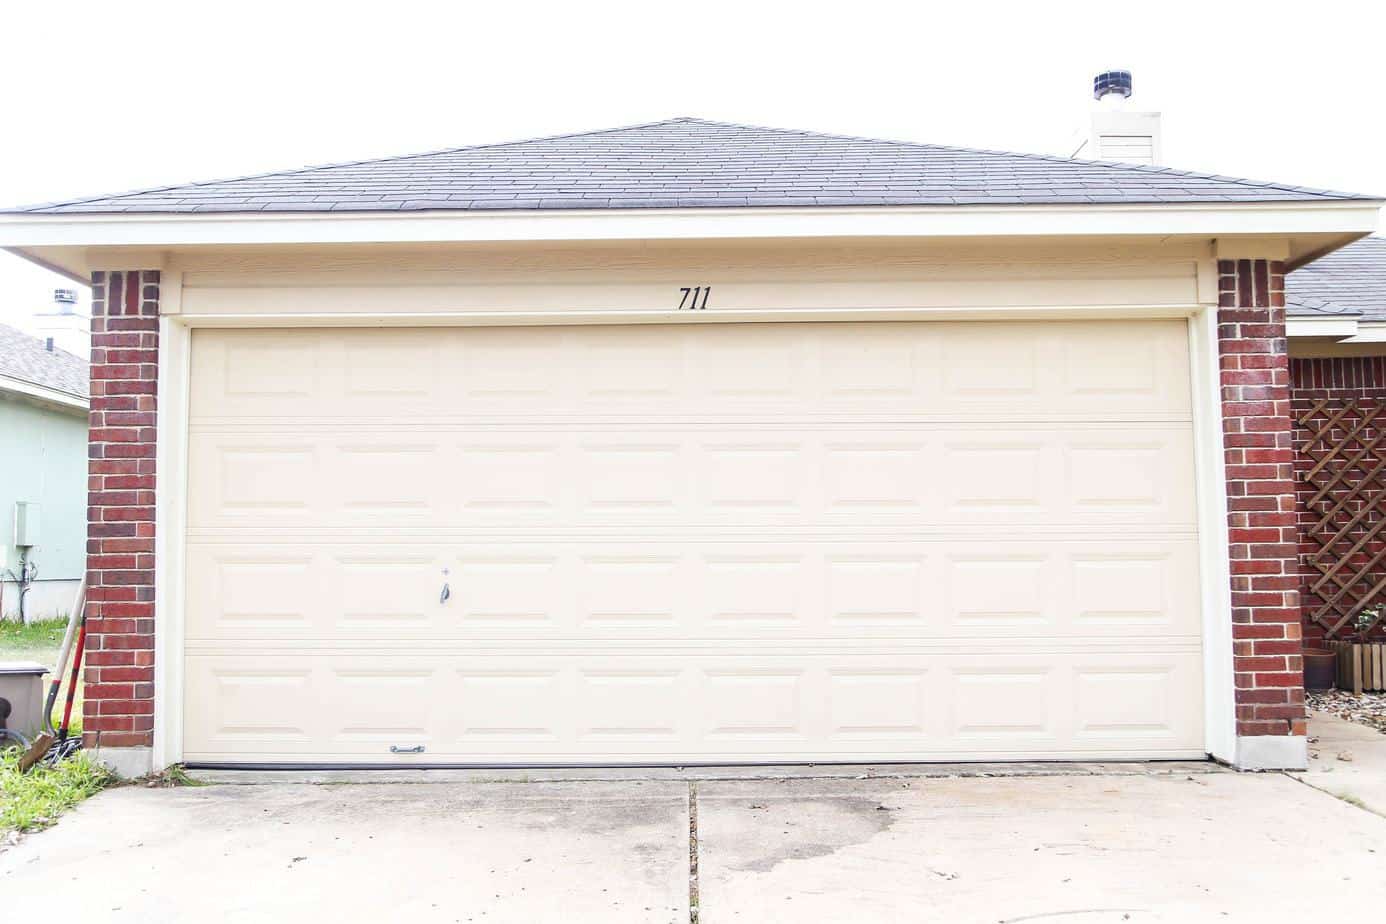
(66, 300)
(1110, 82)
(1115, 133)
(60, 325)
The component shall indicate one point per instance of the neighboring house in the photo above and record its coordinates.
(693, 442)
(43, 474)
(1337, 329)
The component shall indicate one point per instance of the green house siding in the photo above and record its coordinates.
(43, 458)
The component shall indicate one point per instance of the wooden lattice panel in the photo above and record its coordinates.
(1341, 467)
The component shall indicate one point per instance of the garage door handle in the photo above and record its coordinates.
(416, 749)
(447, 592)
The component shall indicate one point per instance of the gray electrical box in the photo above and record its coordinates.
(26, 524)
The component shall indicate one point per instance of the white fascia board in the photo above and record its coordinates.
(1368, 332)
(42, 394)
(1199, 219)
(1333, 328)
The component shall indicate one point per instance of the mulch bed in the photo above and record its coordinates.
(1368, 709)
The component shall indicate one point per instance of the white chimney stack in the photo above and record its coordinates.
(62, 325)
(1117, 133)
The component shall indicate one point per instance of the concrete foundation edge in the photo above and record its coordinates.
(1272, 752)
(126, 763)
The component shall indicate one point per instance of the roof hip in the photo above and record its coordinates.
(688, 162)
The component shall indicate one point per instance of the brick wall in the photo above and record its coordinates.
(1362, 378)
(1255, 379)
(119, 709)
(1340, 377)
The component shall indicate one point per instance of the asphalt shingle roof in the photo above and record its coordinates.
(1349, 282)
(681, 163)
(28, 359)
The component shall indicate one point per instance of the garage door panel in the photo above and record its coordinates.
(936, 589)
(598, 707)
(722, 589)
(659, 476)
(1130, 369)
(863, 541)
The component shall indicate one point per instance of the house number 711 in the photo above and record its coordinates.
(694, 298)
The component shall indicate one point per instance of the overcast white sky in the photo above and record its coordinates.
(106, 97)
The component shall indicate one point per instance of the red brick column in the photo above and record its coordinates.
(119, 710)
(1266, 634)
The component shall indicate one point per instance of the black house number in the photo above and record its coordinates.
(694, 298)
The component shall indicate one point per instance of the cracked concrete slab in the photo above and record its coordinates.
(1347, 760)
(1133, 848)
(445, 853)
(1124, 847)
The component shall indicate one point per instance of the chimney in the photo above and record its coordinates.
(61, 326)
(1116, 132)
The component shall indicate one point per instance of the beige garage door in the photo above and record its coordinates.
(697, 542)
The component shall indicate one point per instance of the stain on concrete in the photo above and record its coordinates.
(835, 823)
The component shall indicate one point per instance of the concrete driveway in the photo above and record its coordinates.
(1190, 845)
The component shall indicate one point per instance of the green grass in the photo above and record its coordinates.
(17, 639)
(34, 800)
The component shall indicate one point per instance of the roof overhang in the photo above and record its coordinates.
(1323, 327)
(43, 396)
(1351, 329)
(1308, 229)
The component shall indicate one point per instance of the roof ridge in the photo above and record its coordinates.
(295, 171)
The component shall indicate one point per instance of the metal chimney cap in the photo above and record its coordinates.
(1111, 82)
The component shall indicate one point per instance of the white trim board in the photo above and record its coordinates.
(1350, 329)
(1334, 328)
(665, 316)
(170, 506)
(1210, 478)
(1224, 219)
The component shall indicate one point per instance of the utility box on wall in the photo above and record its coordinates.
(26, 524)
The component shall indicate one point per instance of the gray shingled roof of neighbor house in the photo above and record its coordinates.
(28, 359)
(682, 163)
(1350, 282)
